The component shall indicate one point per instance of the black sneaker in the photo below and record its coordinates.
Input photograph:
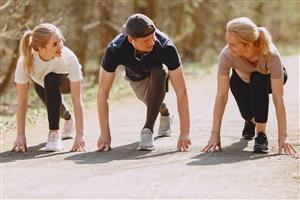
(261, 143)
(249, 130)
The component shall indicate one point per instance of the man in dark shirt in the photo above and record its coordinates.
(150, 58)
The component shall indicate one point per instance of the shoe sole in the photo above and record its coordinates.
(248, 137)
(164, 135)
(260, 149)
(53, 150)
(145, 148)
(67, 137)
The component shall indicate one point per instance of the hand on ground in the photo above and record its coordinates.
(103, 143)
(214, 144)
(286, 147)
(20, 144)
(183, 143)
(79, 144)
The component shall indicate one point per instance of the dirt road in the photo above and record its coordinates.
(235, 172)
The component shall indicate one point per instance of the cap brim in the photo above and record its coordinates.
(124, 32)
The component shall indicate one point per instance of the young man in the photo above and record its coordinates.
(150, 58)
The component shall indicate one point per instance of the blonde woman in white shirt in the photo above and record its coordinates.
(54, 70)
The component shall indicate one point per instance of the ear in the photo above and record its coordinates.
(130, 39)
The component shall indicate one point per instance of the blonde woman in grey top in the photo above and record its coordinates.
(257, 71)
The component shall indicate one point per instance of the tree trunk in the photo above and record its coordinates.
(105, 7)
(14, 59)
(10, 71)
(81, 39)
(152, 8)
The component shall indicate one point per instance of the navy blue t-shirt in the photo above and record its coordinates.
(121, 52)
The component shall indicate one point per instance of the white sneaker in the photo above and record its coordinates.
(54, 142)
(69, 129)
(147, 140)
(165, 123)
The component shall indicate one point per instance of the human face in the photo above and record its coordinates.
(236, 47)
(52, 49)
(144, 44)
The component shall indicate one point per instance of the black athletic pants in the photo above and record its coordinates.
(253, 98)
(55, 86)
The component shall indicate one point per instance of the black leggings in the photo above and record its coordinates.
(156, 95)
(253, 98)
(55, 85)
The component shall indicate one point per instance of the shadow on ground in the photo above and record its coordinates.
(125, 152)
(34, 152)
(231, 154)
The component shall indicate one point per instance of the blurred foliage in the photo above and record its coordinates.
(196, 27)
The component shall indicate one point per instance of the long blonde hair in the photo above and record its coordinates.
(247, 31)
(33, 40)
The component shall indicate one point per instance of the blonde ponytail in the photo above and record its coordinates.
(245, 30)
(36, 39)
(264, 40)
(26, 51)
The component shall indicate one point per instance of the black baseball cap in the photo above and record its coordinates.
(138, 26)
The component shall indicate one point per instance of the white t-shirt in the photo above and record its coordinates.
(66, 64)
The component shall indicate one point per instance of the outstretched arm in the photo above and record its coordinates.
(76, 93)
(178, 83)
(20, 141)
(219, 107)
(105, 82)
(277, 93)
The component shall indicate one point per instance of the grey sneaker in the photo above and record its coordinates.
(147, 141)
(165, 123)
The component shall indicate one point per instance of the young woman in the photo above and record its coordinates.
(53, 69)
(257, 71)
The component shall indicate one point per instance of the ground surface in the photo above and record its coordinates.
(235, 172)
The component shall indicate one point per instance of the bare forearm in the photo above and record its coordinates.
(21, 114)
(184, 115)
(79, 119)
(219, 109)
(281, 116)
(103, 115)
